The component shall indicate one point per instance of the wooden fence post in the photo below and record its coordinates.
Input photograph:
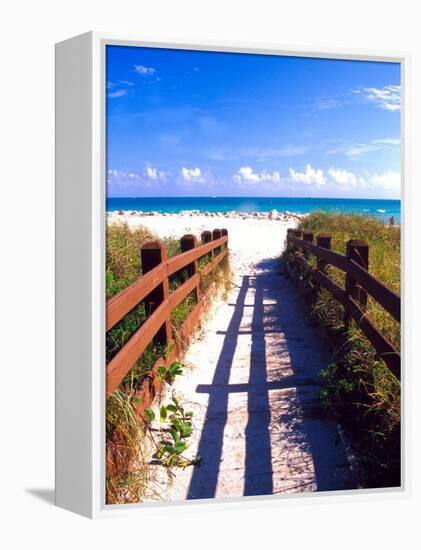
(288, 267)
(206, 238)
(307, 236)
(358, 252)
(187, 242)
(297, 233)
(296, 271)
(152, 254)
(324, 240)
(216, 234)
(224, 233)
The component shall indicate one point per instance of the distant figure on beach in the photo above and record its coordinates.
(392, 221)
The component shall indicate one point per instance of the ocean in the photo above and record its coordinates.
(376, 208)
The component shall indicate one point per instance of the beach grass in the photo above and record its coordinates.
(127, 472)
(358, 387)
(384, 257)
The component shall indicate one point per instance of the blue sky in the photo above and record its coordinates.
(188, 123)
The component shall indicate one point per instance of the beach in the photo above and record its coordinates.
(253, 238)
(250, 376)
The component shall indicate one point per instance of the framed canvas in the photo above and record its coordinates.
(230, 233)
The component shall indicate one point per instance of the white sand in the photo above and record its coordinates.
(251, 241)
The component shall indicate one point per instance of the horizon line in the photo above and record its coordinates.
(249, 197)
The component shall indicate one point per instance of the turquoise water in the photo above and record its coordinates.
(380, 209)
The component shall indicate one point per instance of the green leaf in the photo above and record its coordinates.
(179, 447)
(186, 429)
(169, 449)
(137, 400)
(172, 460)
(161, 372)
(160, 452)
(171, 408)
(175, 369)
(176, 423)
(175, 435)
(163, 414)
(150, 415)
(188, 414)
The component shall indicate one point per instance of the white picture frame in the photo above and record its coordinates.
(80, 268)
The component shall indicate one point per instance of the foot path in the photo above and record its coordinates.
(252, 381)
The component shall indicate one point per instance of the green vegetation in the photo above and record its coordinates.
(175, 429)
(384, 257)
(127, 472)
(358, 387)
(123, 265)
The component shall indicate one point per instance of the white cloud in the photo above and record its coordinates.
(356, 150)
(141, 69)
(119, 83)
(309, 176)
(117, 93)
(342, 176)
(246, 174)
(114, 173)
(151, 172)
(387, 141)
(359, 149)
(387, 98)
(192, 174)
(123, 175)
(124, 179)
(390, 181)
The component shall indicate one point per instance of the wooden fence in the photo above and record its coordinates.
(358, 285)
(153, 289)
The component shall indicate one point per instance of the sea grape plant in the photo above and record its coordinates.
(176, 428)
(168, 375)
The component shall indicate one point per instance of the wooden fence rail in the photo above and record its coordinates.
(359, 283)
(153, 290)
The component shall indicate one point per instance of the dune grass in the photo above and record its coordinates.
(384, 257)
(358, 387)
(127, 471)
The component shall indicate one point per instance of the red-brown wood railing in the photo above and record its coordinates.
(152, 288)
(358, 284)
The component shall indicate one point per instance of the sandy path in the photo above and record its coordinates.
(250, 240)
(252, 382)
